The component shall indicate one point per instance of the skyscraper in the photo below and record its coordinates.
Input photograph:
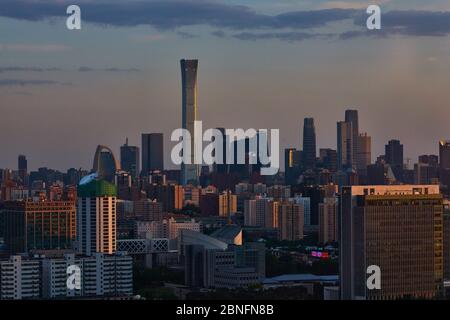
(292, 165)
(364, 153)
(344, 145)
(189, 172)
(309, 144)
(129, 159)
(394, 153)
(351, 116)
(397, 228)
(23, 168)
(328, 158)
(394, 157)
(222, 168)
(152, 152)
(444, 154)
(96, 216)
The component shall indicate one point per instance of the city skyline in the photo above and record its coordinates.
(63, 88)
(224, 150)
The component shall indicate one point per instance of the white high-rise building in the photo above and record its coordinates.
(101, 275)
(54, 277)
(19, 279)
(96, 216)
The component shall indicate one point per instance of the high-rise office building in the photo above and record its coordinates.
(292, 165)
(351, 116)
(394, 157)
(364, 153)
(96, 216)
(328, 158)
(221, 167)
(309, 144)
(23, 169)
(426, 171)
(394, 153)
(39, 225)
(328, 220)
(344, 145)
(397, 228)
(152, 152)
(129, 159)
(431, 159)
(446, 239)
(291, 221)
(189, 172)
(444, 154)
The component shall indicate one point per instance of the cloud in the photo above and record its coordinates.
(186, 35)
(171, 14)
(284, 36)
(351, 4)
(417, 23)
(175, 14)
(219, 34)
(409, 23)
(23, 83)
(146, 38)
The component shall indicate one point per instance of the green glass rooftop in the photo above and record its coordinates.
(92, 188)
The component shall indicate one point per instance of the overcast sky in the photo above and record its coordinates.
(262, 64)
